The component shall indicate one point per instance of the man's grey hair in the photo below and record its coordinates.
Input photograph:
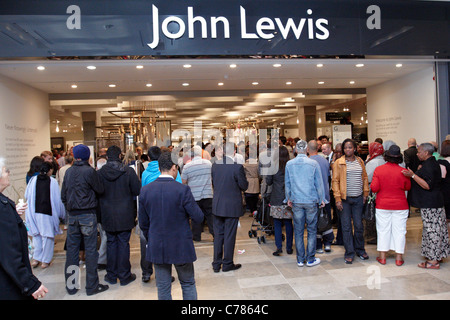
(2, 163)
(197, 151)
(301, 146)
(428, 147)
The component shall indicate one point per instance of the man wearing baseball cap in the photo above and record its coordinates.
(79, 194)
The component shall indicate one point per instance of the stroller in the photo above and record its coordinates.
(262, 223)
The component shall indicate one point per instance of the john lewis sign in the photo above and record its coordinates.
(223, 27)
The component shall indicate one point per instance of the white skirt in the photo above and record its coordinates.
(391, 230)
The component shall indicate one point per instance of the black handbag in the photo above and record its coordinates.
(323, 221)
(369, 207)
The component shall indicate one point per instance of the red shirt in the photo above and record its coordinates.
(390, 184)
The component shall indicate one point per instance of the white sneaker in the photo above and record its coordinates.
(313, 263)
(320, 251)
(300, 264)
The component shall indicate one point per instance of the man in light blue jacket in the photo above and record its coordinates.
(305, 193)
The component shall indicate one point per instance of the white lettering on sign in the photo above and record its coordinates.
(265, 27)
(74, 21)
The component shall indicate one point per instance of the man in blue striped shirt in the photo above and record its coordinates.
(197, 175)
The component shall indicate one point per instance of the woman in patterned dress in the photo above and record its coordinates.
(426, 195)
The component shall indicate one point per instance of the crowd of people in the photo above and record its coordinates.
(169, 197)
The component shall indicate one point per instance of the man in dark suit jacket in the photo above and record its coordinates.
(228, 179)
(411, 159)
(165, 207)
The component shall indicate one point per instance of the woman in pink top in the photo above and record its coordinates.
(392, 208)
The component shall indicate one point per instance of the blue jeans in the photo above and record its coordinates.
(163, 275)
(83, 226)
(278, 228)
(305, 213)
(353, 237)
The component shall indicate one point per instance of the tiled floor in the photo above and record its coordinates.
(264, 276)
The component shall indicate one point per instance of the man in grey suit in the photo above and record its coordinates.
(228, 179)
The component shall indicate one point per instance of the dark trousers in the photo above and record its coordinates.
(353, 237)
(118, 255)
(251, 201)
(146, 266)
(197, 228)
(326, 237)
(225, 230)
(81, 227)
(278, 228)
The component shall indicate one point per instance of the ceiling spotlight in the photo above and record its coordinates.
(277, 65)
(399, 65)
(139, 67)
(289, 83)
(360, 65)
(148, 84)
(319, 65)
(41, 68)
(91, 67)
(112, 85)
(255, 83)
(232, 66)
(321, 82)
(187, 66)
(352, 82)
(220, 84)
(185, 84)
(74, 86)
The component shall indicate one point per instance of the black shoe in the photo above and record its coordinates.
(364, 256)
(146, 277)
(130, 279)
(100, 288)
(71, 291)
(277, 253)
(109, 280)
(101, 266)
(233, 267)
(289, 251)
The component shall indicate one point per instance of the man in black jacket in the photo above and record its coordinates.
(229, 181)
(118, 215)
(79, 195)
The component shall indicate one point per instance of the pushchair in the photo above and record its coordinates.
(262, 224)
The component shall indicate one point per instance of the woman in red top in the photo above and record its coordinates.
(392, 208)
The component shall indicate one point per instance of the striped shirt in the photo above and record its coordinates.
(197, 174)
(354, 178)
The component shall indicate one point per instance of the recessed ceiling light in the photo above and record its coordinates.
(91, 67)
(232, 66)
(187, 66)
(148, 84)
(399, 65)
(220, 84)
(289, 83)
(277, 65)
(359, 65)
(185, 84)
(319, 65)
(112, 85)
(321, 82)
(74, 86)
(352, 82)
(139, 67)
(255, 83)
(41, 68)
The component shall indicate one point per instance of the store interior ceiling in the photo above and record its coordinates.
(219, 92)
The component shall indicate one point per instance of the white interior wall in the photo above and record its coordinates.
(403, 108)
(24, 130)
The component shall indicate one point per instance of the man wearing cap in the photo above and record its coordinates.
(79, 194)
(304, 193)
(118, 215)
